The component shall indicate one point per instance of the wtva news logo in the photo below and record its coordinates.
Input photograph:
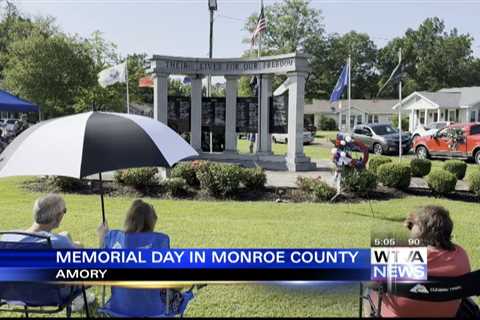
(399, 263)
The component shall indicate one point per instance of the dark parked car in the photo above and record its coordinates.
(381, 138)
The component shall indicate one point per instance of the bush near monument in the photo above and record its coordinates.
(457, 167)
(420, 167)
(394, 175)
(175, 187)
(376, 161)
(186, 170)
(138, 178)
(359, 182)
(65, 184)
(315, 189)
(254, 178)
(441, 182)
(474, 182)
(218, 179)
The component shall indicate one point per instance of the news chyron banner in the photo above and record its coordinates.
(215, 265)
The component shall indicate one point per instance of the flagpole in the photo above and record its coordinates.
(126, 80)
(259, 92)
(400, 109)
(349, 94)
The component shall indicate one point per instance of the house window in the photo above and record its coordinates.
(473, 115)
(370, 118)
(375, 119)
(359, 119)
(452, 116)
(344, 119)
(435, 117)
(352, 121)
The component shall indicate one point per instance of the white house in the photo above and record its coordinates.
(363, 111)
(453, 104)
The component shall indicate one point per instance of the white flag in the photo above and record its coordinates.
(112, 75)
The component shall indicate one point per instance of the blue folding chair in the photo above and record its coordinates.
(126, 302)
(32, 297)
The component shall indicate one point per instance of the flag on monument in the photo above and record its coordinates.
(396, 73)
(342, 83)
(261, 25)
(112, 75)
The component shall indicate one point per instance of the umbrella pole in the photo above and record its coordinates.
(101, 197)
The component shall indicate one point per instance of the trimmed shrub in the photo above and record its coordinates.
(315, 189)
(359, 182)
(254, 178)
(441, 182)
(394, 175)
(138, 177)
(420, 167)
(306, 184)
(175, 187)
(327, 124)
(65, 183)
(474, 182)
(376, 161)
(219, 180)
(322, 191)
(187, 171)
(457, 167)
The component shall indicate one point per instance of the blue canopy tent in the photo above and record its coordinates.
(10, 103)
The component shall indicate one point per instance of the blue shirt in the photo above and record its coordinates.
(58, 241)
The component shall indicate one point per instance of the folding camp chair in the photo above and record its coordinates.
(33, 297)
(125, 302)
(436, 289)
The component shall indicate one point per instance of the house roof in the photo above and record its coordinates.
(381, 106)
(469, 96)
(449, 97)
(443, 99)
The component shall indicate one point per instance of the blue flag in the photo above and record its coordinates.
(342, 83)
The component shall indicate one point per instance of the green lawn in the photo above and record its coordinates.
(319, 149)
(252, 224)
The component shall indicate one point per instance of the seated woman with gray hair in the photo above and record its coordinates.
(48, 212)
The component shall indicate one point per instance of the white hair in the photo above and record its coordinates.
(47, 208)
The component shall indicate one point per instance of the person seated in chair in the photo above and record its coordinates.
(432, 226)
(48, 213)
(140, 218)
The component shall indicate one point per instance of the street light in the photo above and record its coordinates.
(212, 6)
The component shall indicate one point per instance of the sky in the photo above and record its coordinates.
(181, 27)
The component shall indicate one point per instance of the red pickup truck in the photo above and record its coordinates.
(457, 141)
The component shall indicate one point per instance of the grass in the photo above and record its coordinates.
(252, 224)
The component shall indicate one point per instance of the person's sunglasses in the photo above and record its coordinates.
(64, 211)
(409, 225)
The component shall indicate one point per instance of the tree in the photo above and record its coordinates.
(50, 71)
(432, 58)
(331, 55)
(292, 25)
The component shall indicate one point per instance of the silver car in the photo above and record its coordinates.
(381, 138)
(283, 137)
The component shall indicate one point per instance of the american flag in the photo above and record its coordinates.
(261, 25)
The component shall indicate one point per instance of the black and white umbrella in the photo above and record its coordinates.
(94, 142)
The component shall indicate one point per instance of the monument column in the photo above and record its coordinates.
(231, 114)
(265, 137)
(296, 159)
(196, 113)
(160, 97)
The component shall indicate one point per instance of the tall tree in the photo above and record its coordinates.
(331, 55)
(433, 58)
(292, 26)
(51, 71)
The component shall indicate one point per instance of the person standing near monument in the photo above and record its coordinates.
(251, 138)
